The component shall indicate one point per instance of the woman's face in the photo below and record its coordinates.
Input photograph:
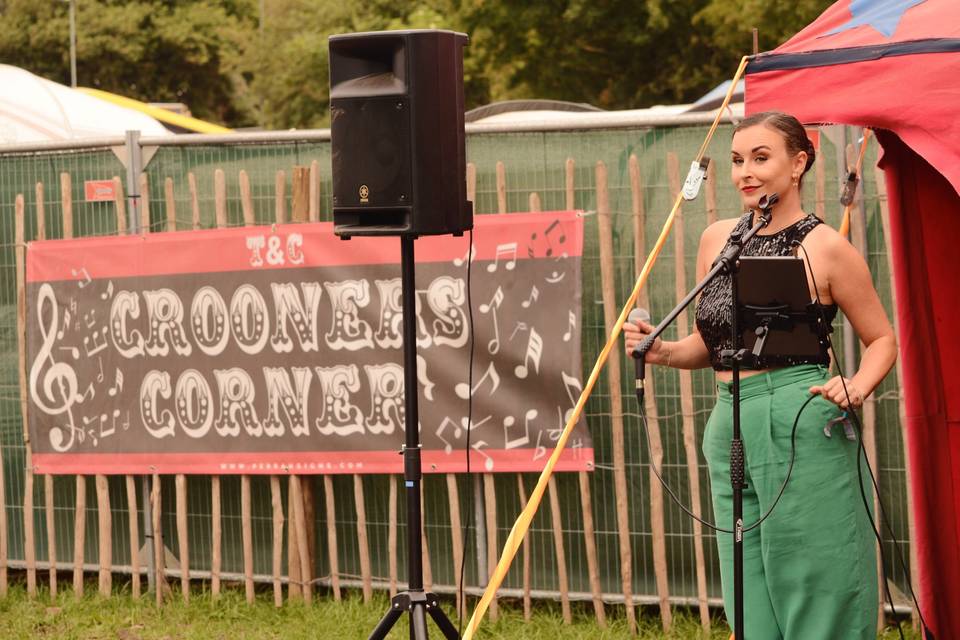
(761, 165)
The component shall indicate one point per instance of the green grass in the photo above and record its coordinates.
(230, 618)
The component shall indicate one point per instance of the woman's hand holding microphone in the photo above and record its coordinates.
(636, 329)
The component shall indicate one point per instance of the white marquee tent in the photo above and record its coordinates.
(34, 109)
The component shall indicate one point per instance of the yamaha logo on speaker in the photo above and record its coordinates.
(364, 193)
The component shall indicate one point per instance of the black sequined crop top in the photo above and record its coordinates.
(713, 307)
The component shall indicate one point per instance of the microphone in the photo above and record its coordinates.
(639, 357)
(767, 201)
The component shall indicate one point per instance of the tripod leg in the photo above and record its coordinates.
(418, 622)
(440, 618)
(397, 606)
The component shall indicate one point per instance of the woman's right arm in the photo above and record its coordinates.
(689, 352)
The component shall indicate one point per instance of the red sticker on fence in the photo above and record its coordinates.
(99, 190)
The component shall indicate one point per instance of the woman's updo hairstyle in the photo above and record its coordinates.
(790, 128)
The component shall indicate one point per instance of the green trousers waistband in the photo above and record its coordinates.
(763, 383)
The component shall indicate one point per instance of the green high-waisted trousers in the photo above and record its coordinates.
(810, 569)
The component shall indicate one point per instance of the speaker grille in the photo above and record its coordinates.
(371, 161)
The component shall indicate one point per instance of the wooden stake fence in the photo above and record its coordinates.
(686, 399)
(657, 527)
(301, 537)
(48, 490)
(586, 500)
(30, 553)
(133, 525)
(610, 311)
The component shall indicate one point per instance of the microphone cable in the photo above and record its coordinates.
(710, 525)
(852, 414)
(462, 609)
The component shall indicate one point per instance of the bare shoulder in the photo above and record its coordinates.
(827, 241)
(711, 243)
(719, 231)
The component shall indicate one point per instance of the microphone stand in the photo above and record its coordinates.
(726, 263)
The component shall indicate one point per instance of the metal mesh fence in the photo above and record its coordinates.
(534, 163)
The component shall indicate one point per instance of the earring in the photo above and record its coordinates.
(796, 180)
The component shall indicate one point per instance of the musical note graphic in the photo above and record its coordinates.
(493, 347)
(83, 275)
(56, 376)
(554, 226)
(117, 385)
(93, 345)
(464, 391)
(521, 326)
(571, 325)
(73, 351)
(100, 365)
(557, 275)
(539, 450)
(447, 445)
(569, 382)
(459, 262)
(504, 250)
(66, 323)
(577, 447)
(102, 432)
(522, 440)
(88, 394)
(534, 351)
(534, 296)
(90, 318)
(109, 292)
(488, 461)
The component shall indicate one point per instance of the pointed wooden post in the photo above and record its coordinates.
(183, 541)
(104, 532)
(559, 550)
(215, 537)
(277, 566)
(332, 548)
(246, 534)
(30, 552)
(220, 198)
(194, 201)
(134, 529)
(610, 310)
(686, 400)
(171, 204)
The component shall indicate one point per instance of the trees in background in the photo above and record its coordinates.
(174, 50)
(228, 66)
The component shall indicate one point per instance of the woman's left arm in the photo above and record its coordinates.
(851, 287)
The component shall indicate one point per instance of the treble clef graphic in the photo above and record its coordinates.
(59, 381)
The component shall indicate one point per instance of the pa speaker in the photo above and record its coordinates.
(396, 133)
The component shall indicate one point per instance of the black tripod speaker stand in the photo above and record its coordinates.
(414, 600)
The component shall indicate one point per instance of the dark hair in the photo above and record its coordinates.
(790, 128)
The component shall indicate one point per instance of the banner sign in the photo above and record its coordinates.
(279, 349)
